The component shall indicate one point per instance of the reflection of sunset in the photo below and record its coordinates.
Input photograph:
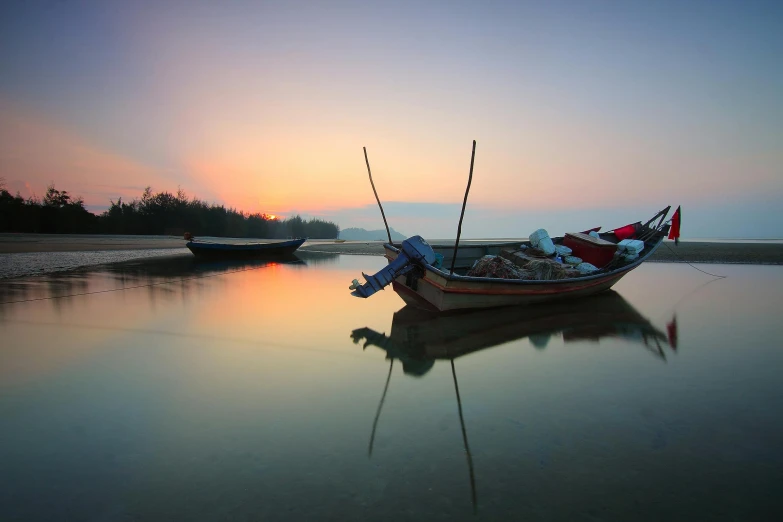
(268, 306)
(263, 307)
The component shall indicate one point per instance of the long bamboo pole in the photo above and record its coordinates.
(376, 195)
(464, 202)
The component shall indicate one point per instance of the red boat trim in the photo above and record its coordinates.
(521, 290)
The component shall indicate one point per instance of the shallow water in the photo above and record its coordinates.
(253, 392)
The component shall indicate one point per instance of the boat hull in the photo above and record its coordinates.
(435, 290)
(278, 249)
(431, 295)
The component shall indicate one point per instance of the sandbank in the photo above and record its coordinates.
(690, 251)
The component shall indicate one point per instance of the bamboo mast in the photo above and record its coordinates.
(464, 202)
(376, 195)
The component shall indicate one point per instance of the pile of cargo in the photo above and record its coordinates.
(580, 254)
(563, 253)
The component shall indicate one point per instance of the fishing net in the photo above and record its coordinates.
(538, 268)
(534, 252)
(548, 269)
(497, 267)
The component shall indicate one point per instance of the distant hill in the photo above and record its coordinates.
(360, 234)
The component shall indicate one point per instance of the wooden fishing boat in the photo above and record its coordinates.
(277, 249)
(421, 283)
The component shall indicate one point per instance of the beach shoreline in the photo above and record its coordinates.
(691, 252)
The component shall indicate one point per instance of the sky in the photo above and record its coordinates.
(585, 113)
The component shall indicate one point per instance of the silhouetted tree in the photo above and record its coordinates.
(151, 214)
(57, 213)
(55, 198)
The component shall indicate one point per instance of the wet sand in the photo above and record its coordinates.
(26, 243)
(693, 252)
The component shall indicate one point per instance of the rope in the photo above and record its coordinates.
(171, 281)
(682, 260)
(673, 309)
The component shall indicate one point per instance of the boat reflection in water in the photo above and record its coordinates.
(419, 338)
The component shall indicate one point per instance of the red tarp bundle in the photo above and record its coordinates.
(626, 232)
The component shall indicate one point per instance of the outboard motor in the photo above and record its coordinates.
(415, 250)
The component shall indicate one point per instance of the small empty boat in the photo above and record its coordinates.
(276, 249)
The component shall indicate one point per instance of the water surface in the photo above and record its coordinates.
(253, 392)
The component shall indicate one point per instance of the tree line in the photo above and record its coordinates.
(163, 213)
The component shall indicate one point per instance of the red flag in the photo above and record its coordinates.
(674, 231)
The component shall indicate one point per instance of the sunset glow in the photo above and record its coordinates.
(260, 106)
